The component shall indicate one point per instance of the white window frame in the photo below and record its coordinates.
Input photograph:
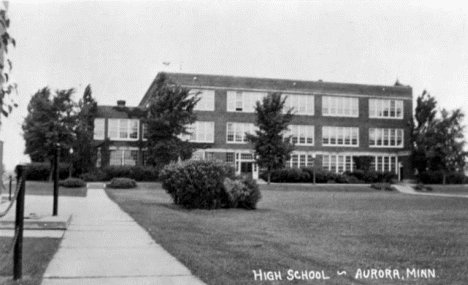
(333, 161)
(99, 132)
(380, 161)
(144, 131)
(295, 131)
(201, 132)
(300, 159)
(238, 131)
(120, 123)
(125, 152)
(243, 101)
(207, 99)
(389, 135)
(378, 106)
(334, 106)
(300, 104)
(340, 134)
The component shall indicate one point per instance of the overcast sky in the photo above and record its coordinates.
(118, 47)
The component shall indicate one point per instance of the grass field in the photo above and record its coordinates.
(330, 228)
(37, 252)
(47, 188)
(450, 189)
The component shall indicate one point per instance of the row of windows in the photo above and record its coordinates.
(203, 132)
(241, 101)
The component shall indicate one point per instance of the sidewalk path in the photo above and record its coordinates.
(407, 189)
(104, 245)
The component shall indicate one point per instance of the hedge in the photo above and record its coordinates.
(72, 183)
(437, 177)
(305, 175)
(122, 183)
(138, 173)
(39, 171)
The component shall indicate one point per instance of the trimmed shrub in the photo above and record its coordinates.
(252, 194)
(72, 183)
(437, 177)
(138, 173)
(122, 183)
(39, 171)
(422, 187)
(197, 183)
(382, 186)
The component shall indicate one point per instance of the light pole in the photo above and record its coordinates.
(313, 167)
(70, 168)
(56, 178)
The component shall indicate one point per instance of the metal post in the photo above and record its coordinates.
(18, 249)
(56, 180)
(11, 180)
(313, 172)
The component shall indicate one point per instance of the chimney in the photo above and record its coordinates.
(120, 103)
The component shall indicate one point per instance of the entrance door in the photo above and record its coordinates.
(246, 168)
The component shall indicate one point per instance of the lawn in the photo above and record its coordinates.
(47, 188)
(37, 253)
(323, 228)
(450, 189)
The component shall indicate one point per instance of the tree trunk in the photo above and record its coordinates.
(444, 178)
(269, 177)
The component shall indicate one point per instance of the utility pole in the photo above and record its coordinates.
(56, 180)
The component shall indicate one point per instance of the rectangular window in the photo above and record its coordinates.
(299, 160)
(230, 157)
(383, 163)
(337, 163)
(235, 132)
(144, 131)
(123, 129)
(241, 101)
(379, 137)
(301, 134)
(385, 109)
(207, 100)
(201, 132)
(300, 104)
(99, 129)
(123, 156)
(340, 106)
(340, 136)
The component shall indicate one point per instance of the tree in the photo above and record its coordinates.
(84, 152)
(50, 123)
(438, 141)
(6, 89)
(169, 114)
(271, 148)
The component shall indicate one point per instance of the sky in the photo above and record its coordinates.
(119, 47)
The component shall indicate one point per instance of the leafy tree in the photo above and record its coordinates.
(271, 148)
(6, 89)
(84, 152)
(50, 122)
(169, 114)
(438, 141)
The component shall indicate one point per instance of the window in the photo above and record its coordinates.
(301, 134)
(123, 129)
(340, 136)
(300, 160)
(123, 156)
(230, 157)
(301, 104)
(144, 131)
(338, 163)
(240, 101)
(99, 129)
(236, 132)
(200, 132)
(207, 100)
(386, 109)
(340, 106)
(386, 137)
(385, 163)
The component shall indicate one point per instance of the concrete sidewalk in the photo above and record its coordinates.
(407, 189)
(104, 245)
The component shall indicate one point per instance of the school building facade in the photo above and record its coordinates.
(333, 122)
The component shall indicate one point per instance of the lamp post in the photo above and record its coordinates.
(70, 168)
(56, 178)
(313, 167)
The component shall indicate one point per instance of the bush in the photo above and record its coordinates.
(38, 171)
(422, 187)
(197, 183)
(122, 183)
(72, 183)
(242, 192)
(437, 177)
(382, 186)
(138, 173)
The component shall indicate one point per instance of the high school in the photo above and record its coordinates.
(333, 122)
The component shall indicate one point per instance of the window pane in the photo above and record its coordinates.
(99, 129)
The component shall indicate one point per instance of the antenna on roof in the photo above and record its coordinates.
(397, 83)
